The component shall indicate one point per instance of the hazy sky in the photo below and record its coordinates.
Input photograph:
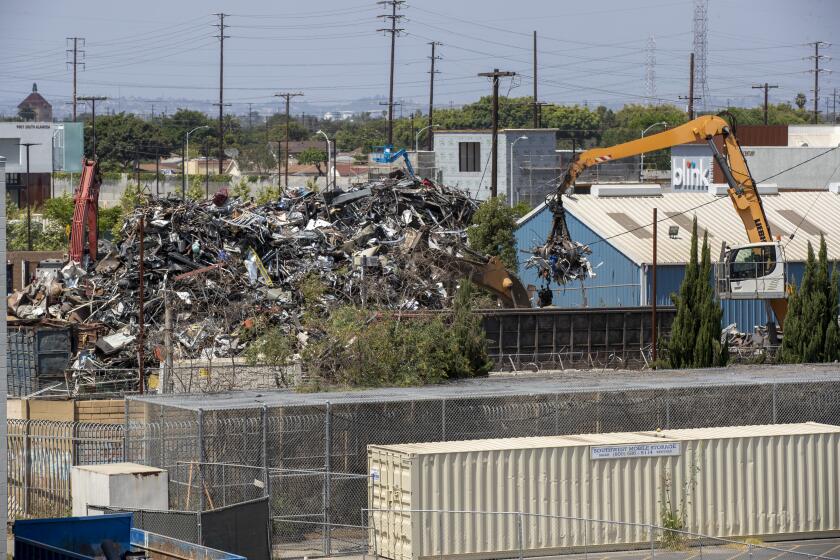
(591, 52)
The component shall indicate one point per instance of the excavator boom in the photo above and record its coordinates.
(86, 213)
(742, 188)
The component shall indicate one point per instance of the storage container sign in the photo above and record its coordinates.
(663, 449)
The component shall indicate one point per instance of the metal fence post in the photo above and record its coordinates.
(200, 471)
(585, 539)
(443, 419)
(667, 409)
(162, 429)
(775, 409)
(652, 547)
(125, 430)
(519, 533)
(27, 455)
(327, 478)
(264, 420)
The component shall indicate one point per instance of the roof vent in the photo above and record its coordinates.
(625, 189)
(720, 189)
(834, 188)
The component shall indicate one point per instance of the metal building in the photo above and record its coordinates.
(618, 229)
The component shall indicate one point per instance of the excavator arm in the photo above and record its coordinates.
(86, 213)
(742, 188)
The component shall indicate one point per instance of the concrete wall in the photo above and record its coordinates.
(814, 135)
(104, 411)
(112, 190)
(765, 161)
(540, 143)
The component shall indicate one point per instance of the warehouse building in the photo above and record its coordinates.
(618, 230)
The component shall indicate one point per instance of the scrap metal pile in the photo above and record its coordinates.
(221, 264)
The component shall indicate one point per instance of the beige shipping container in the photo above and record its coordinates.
(771, 482)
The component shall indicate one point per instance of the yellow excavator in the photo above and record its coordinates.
(753, 271)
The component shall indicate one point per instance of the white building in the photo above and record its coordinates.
(462, 159)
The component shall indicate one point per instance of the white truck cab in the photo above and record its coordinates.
(754, 271)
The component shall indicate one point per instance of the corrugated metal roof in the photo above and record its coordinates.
(616, 438)
(714, 213)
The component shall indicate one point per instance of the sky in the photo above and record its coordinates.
(160, 53)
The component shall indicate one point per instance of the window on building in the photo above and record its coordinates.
(469, 156)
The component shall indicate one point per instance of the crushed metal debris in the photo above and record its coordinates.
(394, 244)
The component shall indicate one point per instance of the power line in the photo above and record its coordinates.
(432, 73)
(287, 96)
(765, 87)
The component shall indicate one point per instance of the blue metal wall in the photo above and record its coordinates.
(617, 282)
(618, 279)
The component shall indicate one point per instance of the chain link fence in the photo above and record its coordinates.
(41, 454)
(314, 456)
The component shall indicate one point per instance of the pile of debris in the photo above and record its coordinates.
(218, 265)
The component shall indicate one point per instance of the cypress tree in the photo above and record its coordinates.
(832, 333)
(707, 348)
(797, 330)
(684, 329)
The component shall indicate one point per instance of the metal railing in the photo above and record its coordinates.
(524, 534)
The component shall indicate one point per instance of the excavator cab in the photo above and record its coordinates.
(754, 271)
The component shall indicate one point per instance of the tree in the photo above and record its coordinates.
(196, 190)
(695, 333)
(491, 231)
(120, 138)
(313, 156)
(241, 190)
(469, 355)
(258, 157)
(800, 100)
(811, 329)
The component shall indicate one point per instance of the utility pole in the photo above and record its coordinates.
(691, 98)
(28, 205)
(765, 87)
(221, 36)
(77, 41)
(432, 73)
(249, 116)
(141, 313)
(93, 99)
(653, 291)
(536, 101)
(494, 152)
(834, 107)
(206, 169)
(287, 96)
(817, 70)
(394, 31)
(540, 105)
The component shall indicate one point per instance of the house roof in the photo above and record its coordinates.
(625, 222)
(34, 99)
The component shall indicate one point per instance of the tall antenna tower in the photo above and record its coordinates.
(650, 71)
(701, 21)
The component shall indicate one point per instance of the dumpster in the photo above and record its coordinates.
(37, 355)
(102, 536)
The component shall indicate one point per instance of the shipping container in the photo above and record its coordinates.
(38, 355)
(771, 482)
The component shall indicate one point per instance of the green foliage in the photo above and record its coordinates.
(811, 329)
(673, 513)
(273, 348)
(800, 100)
(313, 156)
(196, 190)
(258, 157)
(111, 220)
(59, 209)
(241, 190)
(360, 347)
(629, 122)
(695, 334)
(781, 113)
(492, 231)
(267, 194)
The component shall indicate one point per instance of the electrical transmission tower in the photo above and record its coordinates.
(394, 31)
(701, 21)
(650, 70)
(817, 57)
(73, 54)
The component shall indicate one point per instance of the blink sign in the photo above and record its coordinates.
(691, 173)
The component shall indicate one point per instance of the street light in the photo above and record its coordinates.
(642, 155)
(329, 150)
(417, 136)
(185, 169)
(511, 166)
